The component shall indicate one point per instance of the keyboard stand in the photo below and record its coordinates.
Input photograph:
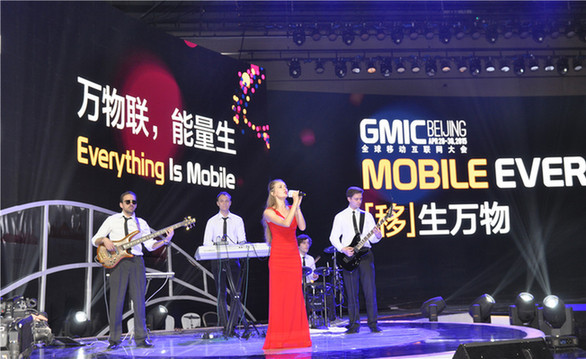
(237, 313)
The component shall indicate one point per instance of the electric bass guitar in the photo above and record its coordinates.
(350, 263)
(110, 259)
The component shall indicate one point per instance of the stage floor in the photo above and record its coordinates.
(399, 339)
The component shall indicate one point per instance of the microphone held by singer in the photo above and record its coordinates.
(291, 191)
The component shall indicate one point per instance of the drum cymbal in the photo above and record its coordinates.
(306, 270)
(325, 271)
(330, 249)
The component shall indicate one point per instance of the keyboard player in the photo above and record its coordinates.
(226, 228)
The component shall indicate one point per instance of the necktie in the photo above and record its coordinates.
(225, 229)
(304, 261)
(126, 225)
(354, 222)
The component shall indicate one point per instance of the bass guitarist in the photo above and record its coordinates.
(347, 230)
(129, 273)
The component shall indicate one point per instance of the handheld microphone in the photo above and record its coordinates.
(291, 191)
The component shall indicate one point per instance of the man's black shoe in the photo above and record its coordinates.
(375, 329)
(113, 346)
(144, 344)
(353, 329)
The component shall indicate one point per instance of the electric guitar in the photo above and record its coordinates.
(350, 263)
(110, 259)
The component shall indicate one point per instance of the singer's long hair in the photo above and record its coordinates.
(271, 203)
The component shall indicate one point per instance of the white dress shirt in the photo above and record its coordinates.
(309, 262)
(113, 228)
(344, 228)
(215, 228)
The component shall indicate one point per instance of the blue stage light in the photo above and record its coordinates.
(431, 308)
(481, 308)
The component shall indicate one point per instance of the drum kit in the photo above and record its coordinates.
(324, 297)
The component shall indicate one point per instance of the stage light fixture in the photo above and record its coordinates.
(319, 67)
(400, 66)
(414, 32)
(429, 33)
(577, 63)
(332, 34)
(355, 67)
(563, 66)
(538, 33)
(348, 36)
(481, 308)
(504, 65)
(315, 34)
(554, 311)
(397, 35)
(462, 65)
(519, 66)
(371, 66)
(415, 66)
(489, 65)
(156, 317)
(525, 302)
(445, 65)
(491, 34)
(294, 68)
(524, 311)
(77, 324)
(386, 67)
(431, 308)
(507, 31)
(571, 29)
(299, 36)
(445, 34)
(430, 67)
(557, 322)
(524, 31)
(459, 31)
(549, 64)
(475, 33)
(475, 66)
(554, 30)
(340, 68)
(380, 34)
(364, 33)
(533, 63)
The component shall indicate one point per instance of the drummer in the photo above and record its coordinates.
(304, 242)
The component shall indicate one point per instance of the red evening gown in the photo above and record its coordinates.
(288, 326)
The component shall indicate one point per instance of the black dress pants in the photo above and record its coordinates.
(363, 275)
(128, 275)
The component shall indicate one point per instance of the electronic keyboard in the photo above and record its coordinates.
(225, 251)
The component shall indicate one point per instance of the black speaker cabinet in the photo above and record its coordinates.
(505, 349)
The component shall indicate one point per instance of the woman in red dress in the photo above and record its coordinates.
(288, 326)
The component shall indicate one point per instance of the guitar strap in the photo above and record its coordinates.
(138, 226)
(362, 216)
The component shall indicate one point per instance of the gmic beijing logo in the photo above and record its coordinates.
(413, 132)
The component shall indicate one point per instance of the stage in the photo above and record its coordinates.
(398, 339)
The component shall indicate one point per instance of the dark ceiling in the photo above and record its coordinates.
(289, 38)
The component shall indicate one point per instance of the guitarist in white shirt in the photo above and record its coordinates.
(129, 273)
(349, 224)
